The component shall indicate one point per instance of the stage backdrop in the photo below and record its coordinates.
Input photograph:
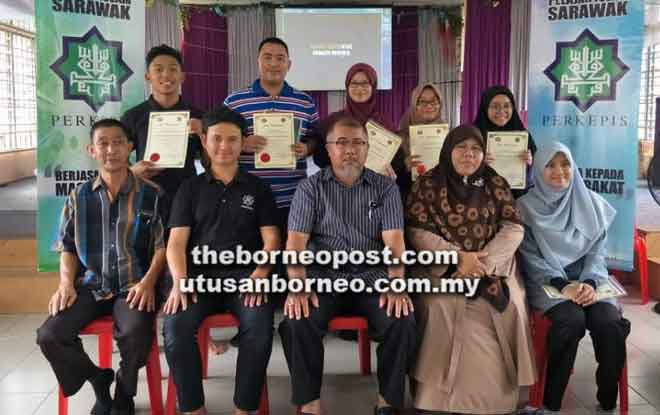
(584, 78)
(90, 65)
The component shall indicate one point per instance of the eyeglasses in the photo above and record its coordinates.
(428, 103)
(345, 142)
(363, 85)
(498, 107)
(464, 148)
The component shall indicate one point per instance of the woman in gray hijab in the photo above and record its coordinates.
(564, 247)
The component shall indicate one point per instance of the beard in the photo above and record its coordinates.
(350, 170)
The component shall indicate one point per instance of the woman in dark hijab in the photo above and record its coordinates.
(474, 349)
(498, 112)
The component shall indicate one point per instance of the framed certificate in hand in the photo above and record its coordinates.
(167, 138)
(507, 147)
(426, 142)
(277, 128)
(383, 145)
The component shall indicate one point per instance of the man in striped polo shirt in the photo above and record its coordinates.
(270, 92)
(347, 207)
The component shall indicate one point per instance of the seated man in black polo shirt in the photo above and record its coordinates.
(165, 75)
(346, 207)
(112, 254)
(223, 208)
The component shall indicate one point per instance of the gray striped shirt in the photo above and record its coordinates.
(341, 218)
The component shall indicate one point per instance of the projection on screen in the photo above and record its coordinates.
(325, 42)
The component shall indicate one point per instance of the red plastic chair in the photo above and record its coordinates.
(642, 266)
(102, 328)
(215, 321)
(337, 323)
(364, 343)
(540, 327)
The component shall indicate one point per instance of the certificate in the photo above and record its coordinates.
(383, 145)
(167, 138)
(426, 142)
(506, 147)
(277, 128)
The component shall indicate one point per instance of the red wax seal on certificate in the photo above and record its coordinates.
(154, 157)
(265, 157)
(421, 169)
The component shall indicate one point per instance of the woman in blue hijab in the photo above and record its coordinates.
(565, 233)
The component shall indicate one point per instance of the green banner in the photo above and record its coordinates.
(90, 60)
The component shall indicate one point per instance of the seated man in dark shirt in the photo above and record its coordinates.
(165, 75)
(222, 209)
(112, 254)
(346, 207)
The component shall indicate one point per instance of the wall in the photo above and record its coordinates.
(17, 165)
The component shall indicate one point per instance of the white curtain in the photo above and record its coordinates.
(246, 28)
(162, 26)
(652, 25)
(437, 62)
(519, 51)
(17, 10)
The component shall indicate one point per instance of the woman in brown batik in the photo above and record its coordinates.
(475, 352)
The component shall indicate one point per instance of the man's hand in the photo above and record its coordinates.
(301, 150)
(470, 265)
(255, 299)
(296, 305)
(397, 303)
(195, 126)
(63, 298)
(177, 298)
(254, 143)
(142, 295)
(145, 169)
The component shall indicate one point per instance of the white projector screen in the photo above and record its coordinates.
(325, 42)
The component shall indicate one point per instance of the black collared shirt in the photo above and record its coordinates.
(136, 121)
(223, 216)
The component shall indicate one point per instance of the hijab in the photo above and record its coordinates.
(364, 110)
(565, 223)
(412, 118)
(465, 210)
(514, 124)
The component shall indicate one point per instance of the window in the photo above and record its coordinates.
(649, 90)
(18, 101)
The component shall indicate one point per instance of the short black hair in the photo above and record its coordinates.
(275, 40)
(224, 114)
(163, 50)
(106, 123)
(347, 121)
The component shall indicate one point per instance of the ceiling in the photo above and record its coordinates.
(333, 2)
(20, 9)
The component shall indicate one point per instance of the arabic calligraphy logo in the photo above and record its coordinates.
(586, 70)
(92, 69)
